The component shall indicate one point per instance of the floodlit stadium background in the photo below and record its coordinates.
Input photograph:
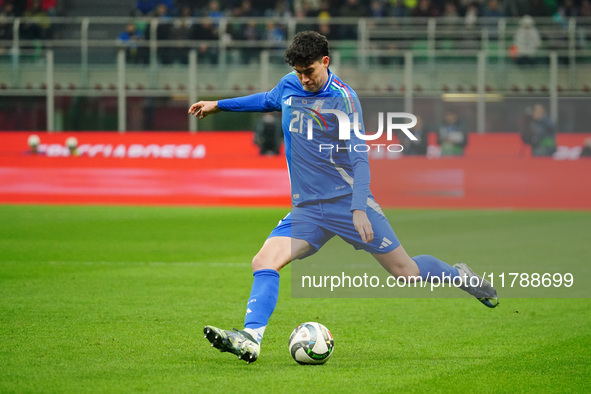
(81, 75)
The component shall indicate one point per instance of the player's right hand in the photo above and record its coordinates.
(203, 108)
(363, 226)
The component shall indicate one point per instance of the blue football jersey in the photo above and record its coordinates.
(321, 165)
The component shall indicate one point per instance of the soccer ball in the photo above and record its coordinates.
(311, 343)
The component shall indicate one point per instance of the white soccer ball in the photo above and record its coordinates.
(311, 343)
(72, 142)
(33, 140)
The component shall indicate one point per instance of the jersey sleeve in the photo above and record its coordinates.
(358, 157)
(258, 102)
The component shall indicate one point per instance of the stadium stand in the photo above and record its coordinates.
(235, 43)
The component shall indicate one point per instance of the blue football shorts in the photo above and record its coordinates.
(318, 222)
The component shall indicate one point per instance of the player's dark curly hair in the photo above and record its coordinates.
(306, 48)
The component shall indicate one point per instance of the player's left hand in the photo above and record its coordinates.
(363, 225)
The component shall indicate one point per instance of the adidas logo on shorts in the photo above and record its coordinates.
(385, 243)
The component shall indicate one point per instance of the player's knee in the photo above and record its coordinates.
(258, 262)
(263, 261)
(407, 270)
(410, 273)
(412, 269)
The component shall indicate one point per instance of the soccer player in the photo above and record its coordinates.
(330, 193)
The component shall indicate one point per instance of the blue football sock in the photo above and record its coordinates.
(262, 301)
(430, 266)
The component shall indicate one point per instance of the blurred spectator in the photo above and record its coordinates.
(48, 6)
(283, 9)
(129, 40)
(162, 12)
(493, 10)
(36, 24)
(568, 9)
(303, 12)
(463, 5)
(452, 137)
(471, 15)
(450, 13)
(448, 24)
(144, 7)
(213, 10)
(170, 6)
(268, 134)
(527, 41)
(206, 31)
(163, 32)
(492, 13)
(6, 33)
(415, 148)
(7, 8)
(540, 132)
(471, 34)
(585, 10)
(182, 29)
(244, 10)
(323, 11)
(247, 32)
(305, 8)
(250, 34)
(327, 30)
(351, 9)
(323, 14)
(398, 9)
(377, 9)
(425, 9)
(586, 151)
(274, 32)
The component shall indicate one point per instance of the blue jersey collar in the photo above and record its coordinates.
(328, 82)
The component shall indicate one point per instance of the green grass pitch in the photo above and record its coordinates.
(114, 299)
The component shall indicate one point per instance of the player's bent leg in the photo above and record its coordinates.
(275, 254)
(398, 263)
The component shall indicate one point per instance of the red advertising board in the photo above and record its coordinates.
(225, 168)
(142, 168)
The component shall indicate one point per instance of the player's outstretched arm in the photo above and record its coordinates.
(203, 108)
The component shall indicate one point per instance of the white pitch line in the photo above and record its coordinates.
(152, 263)
(441, 214)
